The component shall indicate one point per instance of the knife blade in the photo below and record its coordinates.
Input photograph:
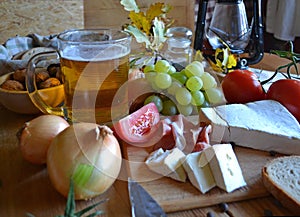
(142, 203)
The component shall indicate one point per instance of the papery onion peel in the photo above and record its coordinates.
(36, 135)
(87, 153)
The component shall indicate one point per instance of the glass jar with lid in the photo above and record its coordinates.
(178, 49)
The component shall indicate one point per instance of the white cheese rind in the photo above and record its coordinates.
(200, 177)
(214, 166)
(167, 163)
(265, 125)
(225, 167)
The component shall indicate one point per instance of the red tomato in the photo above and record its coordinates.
(242, 86)
(142, 128)
(287, 92)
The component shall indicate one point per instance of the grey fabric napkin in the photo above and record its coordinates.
(18, 44)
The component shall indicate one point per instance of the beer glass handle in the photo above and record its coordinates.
(41, 59)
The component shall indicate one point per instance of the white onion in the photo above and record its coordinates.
(36, 135)
(87, 153)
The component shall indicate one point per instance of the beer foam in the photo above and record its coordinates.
(94, 52)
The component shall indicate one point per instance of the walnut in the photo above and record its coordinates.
(53, 69)
(19, 75)
(41, 76)
(12, 85)
(59, 74)
(50, 82)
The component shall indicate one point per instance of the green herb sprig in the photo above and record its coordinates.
(294, 59)
(70, 210)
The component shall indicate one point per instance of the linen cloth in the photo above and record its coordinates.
(283, 19)
(18, 44)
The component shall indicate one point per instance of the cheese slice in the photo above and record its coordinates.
(200, 177)
(265, 125)
(167, 163)
(224, 166)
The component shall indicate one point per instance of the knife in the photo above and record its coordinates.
(142, 204)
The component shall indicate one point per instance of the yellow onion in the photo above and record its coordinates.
(87, 153)
(36, 135)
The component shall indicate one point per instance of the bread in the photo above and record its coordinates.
(281, 178)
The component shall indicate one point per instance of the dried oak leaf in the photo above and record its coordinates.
(140, 21)
(157, 10)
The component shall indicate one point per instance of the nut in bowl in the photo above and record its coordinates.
(13, 94)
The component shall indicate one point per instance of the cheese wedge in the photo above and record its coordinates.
(224, 166)
(167, 163)
(214, 166)
(265, 125)
(200, 177)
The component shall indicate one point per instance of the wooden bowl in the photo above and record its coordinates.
(20, 102)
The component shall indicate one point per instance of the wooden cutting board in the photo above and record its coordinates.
(175, 196)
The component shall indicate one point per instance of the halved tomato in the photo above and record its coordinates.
(142, 128)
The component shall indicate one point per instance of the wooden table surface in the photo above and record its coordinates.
(271, 62)
(25, 188)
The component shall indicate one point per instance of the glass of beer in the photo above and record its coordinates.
(94, 65)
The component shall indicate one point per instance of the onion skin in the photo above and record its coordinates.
(36, 136)
(84, 143)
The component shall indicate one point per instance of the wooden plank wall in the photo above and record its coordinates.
(110, 13)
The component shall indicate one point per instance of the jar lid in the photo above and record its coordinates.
(179, 32)
(229, 1)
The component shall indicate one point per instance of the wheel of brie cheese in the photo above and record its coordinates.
(265, 125)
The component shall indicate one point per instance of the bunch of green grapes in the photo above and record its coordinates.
(181, 91)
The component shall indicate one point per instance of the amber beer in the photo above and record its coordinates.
(94, 64)
(91, 78)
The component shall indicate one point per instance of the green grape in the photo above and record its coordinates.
(197, 98)
(182, 78)
(205, 104)
(162, 66)
(173, 88)
(195, 68)
(155, 87)
(183, 71)
(150, 76)
(156, 100)
(183, 96)
(208, 81)
(169, 108)
(163, 80)
(214, 95)
(198, 63)
(171, 70)
(185, 110)
(149, 68)
(194, 83)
